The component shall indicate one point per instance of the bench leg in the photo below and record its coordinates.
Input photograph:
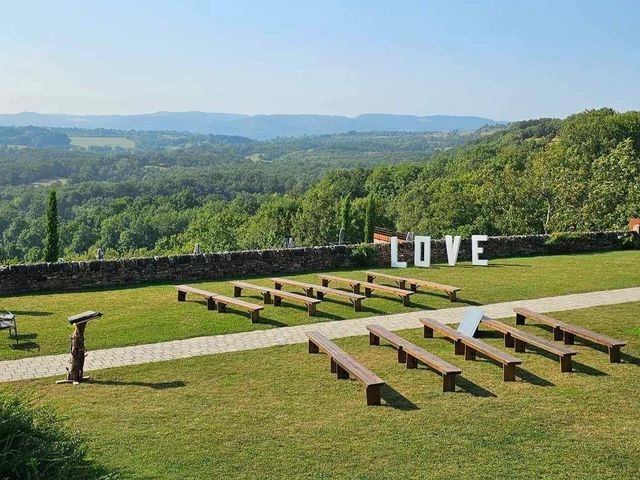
(458, 347)
(469, 353)
(357, 305)
(402, 283)
(254, 315)
(452, 296)
(334, 366)
(520, 319)
(320, 295)
(449, 382)
(266, 298)
(309, 292)
(373, 395)
(367, 291)
(509, 373)
(520, 345)
(211, 304)
(221, 307)
(182, 296)
(412, 362)
(370, 278)
(311, 309)
(374, 339)
(278, 286)
(428, 332)
(614, 354)
(413, 287)
(356, 289)
(557, 334)
(508, 340)
(313, 348)
(341, 373)
(237, 291)
(325, 282)
(569, 338)
(402, 355)
(566, 363)
(406, 301)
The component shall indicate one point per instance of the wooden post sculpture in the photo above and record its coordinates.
(75, 373)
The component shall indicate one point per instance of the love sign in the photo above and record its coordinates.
(422, 251)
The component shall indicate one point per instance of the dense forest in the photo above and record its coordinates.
(545, 175)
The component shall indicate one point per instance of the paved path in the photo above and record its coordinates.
(52, 365)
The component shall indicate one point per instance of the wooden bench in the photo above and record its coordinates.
(208, 296)
(277, 295)
(219, 302)
(354, 298)
(411, 354)
(414, 283)
(568, 332)
(514, 338)
(8, 322)
(356, 285)
(469, 346)
(343, 365)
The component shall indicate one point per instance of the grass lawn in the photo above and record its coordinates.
(102, 142)
(151, 313)
(279, 413)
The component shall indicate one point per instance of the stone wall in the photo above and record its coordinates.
(185, 268)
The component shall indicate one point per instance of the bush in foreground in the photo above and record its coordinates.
(35, 444)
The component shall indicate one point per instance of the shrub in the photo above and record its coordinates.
(564, 242)
(35, 444)
(364, 255)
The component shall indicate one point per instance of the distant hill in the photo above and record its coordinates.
(261, 127)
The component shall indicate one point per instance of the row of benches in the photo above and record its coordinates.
(275, 295)
(410, 354)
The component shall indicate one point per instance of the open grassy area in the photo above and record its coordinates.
(102, 142)
(279, 413)
(150, 313)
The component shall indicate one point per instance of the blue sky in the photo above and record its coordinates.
(506, 60)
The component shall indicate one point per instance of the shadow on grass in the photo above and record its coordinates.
(31, 313)
(473, 388)
(25, 342)
(626, 358)
(587, 370)
(532, 378)
(155, 386)
(395, 399)
(270, 321)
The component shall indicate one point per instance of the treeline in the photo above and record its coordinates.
(538, 176)
(33, 137)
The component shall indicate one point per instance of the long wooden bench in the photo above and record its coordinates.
(356, 286)
(470, 346)
(568, 332)
(277, 295)
(411, 354)
(514, 338)
(219, 302)
(344, 366)
(320, 291)
(414, 283)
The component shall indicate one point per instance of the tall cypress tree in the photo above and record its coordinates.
(52, 239)
(345, 215)
(369, 219)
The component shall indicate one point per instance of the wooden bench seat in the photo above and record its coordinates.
(344, 366)
(320, 291)
(469, 346)
(219, 302)
(514, 338)
(208, 296)
(356, 286)
(414, 283)
(411, 354)
(568, 332)
(277, 295)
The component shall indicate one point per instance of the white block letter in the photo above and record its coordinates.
(476, 250)
(394, 254)
(453, 246)
(418, 261)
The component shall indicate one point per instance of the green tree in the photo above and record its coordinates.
(345, 215)
(52, 239)
(369, 219)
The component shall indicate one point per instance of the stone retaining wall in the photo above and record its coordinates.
(183, 268)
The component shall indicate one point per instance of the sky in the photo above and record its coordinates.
(506, 60)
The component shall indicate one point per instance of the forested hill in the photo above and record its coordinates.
(261, 127)
(537, 176)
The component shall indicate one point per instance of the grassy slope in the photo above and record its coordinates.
(150, 313)
(102, 142)
(278, 412)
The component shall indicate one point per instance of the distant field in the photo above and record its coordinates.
(47, 182)
(102, 142)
